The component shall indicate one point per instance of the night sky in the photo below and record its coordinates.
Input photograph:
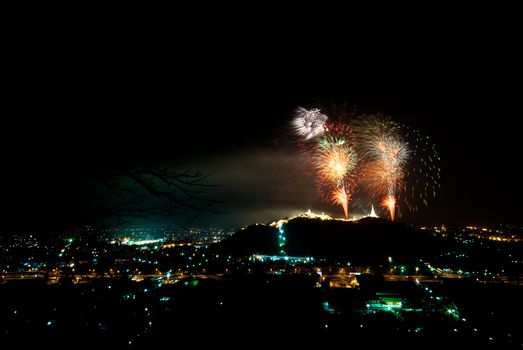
(224, 108)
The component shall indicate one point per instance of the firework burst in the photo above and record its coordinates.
(336, 161)
(386, 155)
(309, 123)
(392, 163)
(423, 173)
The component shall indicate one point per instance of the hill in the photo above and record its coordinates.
(365, 240)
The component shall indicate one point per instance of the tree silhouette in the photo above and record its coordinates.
(117, 193)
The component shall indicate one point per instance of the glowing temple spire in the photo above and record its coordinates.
(372, 212)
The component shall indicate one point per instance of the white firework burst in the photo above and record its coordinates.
(309, 123)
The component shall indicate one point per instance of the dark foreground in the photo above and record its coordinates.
(260, 310)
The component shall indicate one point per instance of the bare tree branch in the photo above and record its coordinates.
(142, 190)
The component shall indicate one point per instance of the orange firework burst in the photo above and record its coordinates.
(336, 162)
(382, 178)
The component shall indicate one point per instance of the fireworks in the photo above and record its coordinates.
(309, 123)
(336, 159)
(386, 155)
(423, 173)
(389, 202)
(336, 162)
(341, 197)
(388, 161)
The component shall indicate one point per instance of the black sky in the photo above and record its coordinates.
(222, 105)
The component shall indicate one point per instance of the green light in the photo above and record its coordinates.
(281, 240)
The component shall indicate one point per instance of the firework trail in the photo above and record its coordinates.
(309, 123)
(389, 202)
(341, 197)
